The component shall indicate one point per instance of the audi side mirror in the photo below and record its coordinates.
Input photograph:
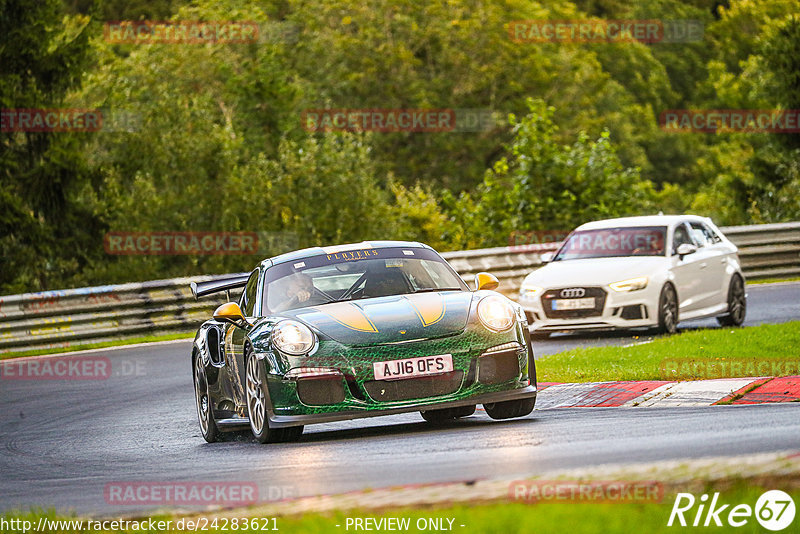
(685, 249)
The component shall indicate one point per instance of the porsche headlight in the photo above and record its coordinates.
(496, 313)
(629, 285)
(529, 292)
(293, 337)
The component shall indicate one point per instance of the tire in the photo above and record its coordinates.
(205, 411)
(256, 392)
(447, 414)
(668, 310)
(510, 409)
(288, 434)
(737, 304)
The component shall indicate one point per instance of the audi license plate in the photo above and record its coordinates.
(413, 367)
(573, 304)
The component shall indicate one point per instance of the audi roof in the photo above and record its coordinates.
(646, 220)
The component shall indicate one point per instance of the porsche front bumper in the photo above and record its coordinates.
(337, 383)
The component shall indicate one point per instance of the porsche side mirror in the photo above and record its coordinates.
(547, 257)
(685, 249)
(486, 281)
(230, 312)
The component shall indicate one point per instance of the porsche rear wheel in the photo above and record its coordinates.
(510, 409)
(205, 413)
(257, 401)
(447, 414)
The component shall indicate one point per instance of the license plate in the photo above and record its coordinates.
(573, 304)
(413, 367)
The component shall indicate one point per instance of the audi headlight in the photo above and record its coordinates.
(293, 337)
(629, 285)
(529, 292)
(496, 313)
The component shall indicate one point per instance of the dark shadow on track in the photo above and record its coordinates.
(314, 435)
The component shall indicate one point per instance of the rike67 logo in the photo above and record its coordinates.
(774, 510)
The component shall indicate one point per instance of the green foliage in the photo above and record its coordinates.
(760, 172)
(115, 10)
(46, 233)
(419, 217)
(211, 149)
(542, 185)
(395, 54)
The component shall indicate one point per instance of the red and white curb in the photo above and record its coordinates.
(660, 393)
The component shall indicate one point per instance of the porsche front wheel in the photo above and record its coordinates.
(510, 409)
(257, 400)
(447, 414)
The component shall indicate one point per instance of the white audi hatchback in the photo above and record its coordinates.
(637, 272)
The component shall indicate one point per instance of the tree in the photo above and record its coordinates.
(460, 55)
(541, 185)
(755, 177)
(46, 232)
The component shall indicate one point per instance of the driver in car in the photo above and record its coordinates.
(300, 292)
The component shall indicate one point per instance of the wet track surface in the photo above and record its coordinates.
(63, 441)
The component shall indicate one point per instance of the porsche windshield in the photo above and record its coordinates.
(356, 274)
(613, 242)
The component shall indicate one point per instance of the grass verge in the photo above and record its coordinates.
(765, 350)
(774, 280)
(100, 345)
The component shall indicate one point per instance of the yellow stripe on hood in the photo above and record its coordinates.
(430, 307)
(349, 315)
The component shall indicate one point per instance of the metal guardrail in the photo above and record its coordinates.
(95, 314)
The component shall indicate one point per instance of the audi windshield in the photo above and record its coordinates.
(614, 242)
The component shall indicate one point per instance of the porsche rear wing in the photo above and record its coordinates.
(201, 289)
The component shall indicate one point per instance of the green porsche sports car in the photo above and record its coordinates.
(373, 328)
